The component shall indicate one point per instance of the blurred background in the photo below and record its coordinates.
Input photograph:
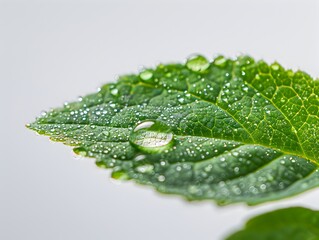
(54, 51)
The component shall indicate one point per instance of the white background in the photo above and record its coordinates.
(54, 51)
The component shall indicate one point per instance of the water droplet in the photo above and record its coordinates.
(147, 168)
(220, 61)
(139, 157)
(80, 151)
(161, 178)
(106, 133)
(178, 168)
(197, 63)
(245, 89)
(101, 164)
(151, 136)
(235, 154)
(114, 91)
(163, 163)
(275, 67)
(146, 75)
(181, 100)
(120, 175)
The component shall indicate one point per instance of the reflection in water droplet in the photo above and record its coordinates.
(197, 63)
(151, 136)
(146, 75)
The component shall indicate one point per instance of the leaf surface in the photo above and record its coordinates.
(294, 223)
(228, 130)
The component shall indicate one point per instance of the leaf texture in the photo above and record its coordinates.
(231, 130)
(294, 223)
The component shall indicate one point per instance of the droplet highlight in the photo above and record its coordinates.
(151, 136)
(275, 66)
(146, 75)
(220, 61)
(197, 63)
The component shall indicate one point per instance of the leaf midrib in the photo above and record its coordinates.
(224, 110)
(236, 120)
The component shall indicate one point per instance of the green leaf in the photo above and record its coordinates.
(228, 130)
(294, 223)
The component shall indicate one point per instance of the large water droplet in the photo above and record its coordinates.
(151, 136)
(197, 63)
(146, 75)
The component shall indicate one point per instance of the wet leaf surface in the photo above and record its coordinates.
(230, 130)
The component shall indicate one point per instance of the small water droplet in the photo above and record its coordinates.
(106, 133)
(120, 175)
(147, 168)
(197, 63)
(161, 178)
(181, 100)
(139, 157)
(178, 168)
(275, 67)
(80, 151)
(263, 186)
(163, 163)
(220, 61)
(151, 136)
(114, 91)
(146, 75)
(101, 164)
